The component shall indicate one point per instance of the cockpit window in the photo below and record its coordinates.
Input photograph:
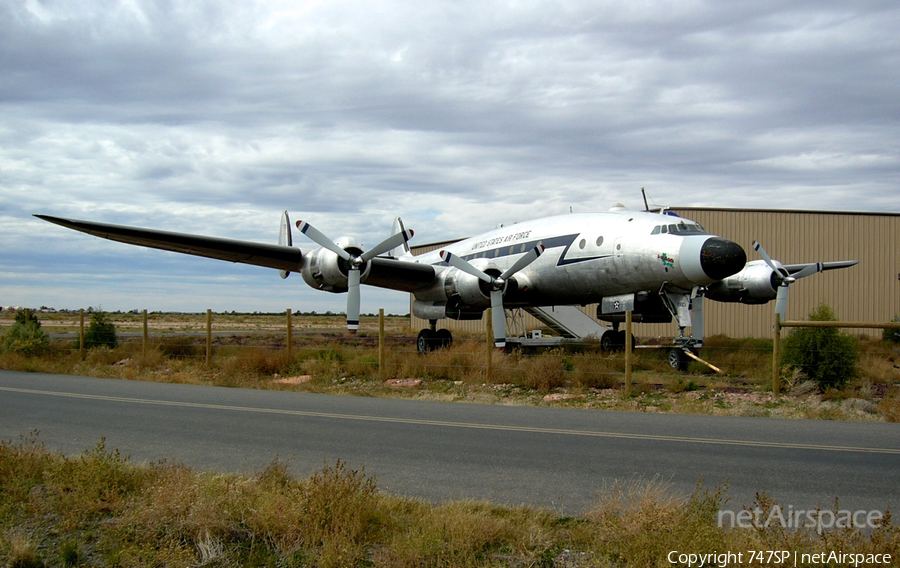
(681, 228)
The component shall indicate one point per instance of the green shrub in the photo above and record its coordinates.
(892, 335)
(26, 336)
(826, 355)
(100, 332)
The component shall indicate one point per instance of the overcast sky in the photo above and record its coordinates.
(212, 117)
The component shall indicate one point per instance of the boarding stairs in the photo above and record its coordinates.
(567, 321)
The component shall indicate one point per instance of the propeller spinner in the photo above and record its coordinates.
(356, 261)
(497, 284)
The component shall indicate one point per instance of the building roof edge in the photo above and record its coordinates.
(793, 211)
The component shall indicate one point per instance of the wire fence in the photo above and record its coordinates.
(300, 350)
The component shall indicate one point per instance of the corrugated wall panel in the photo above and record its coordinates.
(869, 291)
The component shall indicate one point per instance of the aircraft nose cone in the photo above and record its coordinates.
(720, 258)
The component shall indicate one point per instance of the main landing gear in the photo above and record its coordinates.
(614, 340)
(430, 339)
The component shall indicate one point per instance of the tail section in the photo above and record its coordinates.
(403, 249)
(285, 238)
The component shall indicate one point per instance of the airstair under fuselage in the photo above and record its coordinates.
(567, 321)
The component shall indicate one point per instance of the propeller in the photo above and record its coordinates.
(497, 284)
(356, 261)
(785, 278)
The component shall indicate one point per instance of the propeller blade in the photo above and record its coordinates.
(389, 243)
(808, 271)
(356, 264)
(781, 301)
(353, 299)
(498, 317)
(320, 239)
(523, 261)
(464, 265)
(762, 252)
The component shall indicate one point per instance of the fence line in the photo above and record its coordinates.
(776, 346)
(489, 370)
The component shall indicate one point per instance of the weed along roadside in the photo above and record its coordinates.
(99, 509)
(307, 352)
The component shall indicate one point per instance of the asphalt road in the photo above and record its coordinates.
(545, 457)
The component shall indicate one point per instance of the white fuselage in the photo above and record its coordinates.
(586, 257)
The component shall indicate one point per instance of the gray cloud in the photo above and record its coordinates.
(212, 116)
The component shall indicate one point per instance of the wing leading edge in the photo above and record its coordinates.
(245, 252)
(385, 273)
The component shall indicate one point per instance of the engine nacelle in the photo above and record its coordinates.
(462, 296)
(451, 309)
(324, 270)
(466, 290)
(757, 283)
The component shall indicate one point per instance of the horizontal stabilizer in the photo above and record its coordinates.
(280, 257)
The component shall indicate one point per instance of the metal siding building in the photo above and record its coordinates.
(869, 291)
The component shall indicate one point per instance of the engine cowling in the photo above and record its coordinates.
(757, 283)
(324, 270)
(467, 290)
(462, 296)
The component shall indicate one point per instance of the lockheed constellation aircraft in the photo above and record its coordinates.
(653, 263)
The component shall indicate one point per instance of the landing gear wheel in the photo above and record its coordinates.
(678, 359)
(614, 341)
(426, 341)
(608, 341)
(443, 338)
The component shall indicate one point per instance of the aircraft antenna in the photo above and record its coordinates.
(656, 208)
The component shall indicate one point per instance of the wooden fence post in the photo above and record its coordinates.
(144, 343)
(208, 335)
(381, 341)
(628, 351)
(489, 334)
(776, 357)
(81, 333)
(290, 332)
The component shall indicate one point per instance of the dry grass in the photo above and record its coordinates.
(336, 363)
(98, 509)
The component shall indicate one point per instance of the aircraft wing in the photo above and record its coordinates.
(385, 273)
(400, 275)
(259, 254)
(794, 268)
